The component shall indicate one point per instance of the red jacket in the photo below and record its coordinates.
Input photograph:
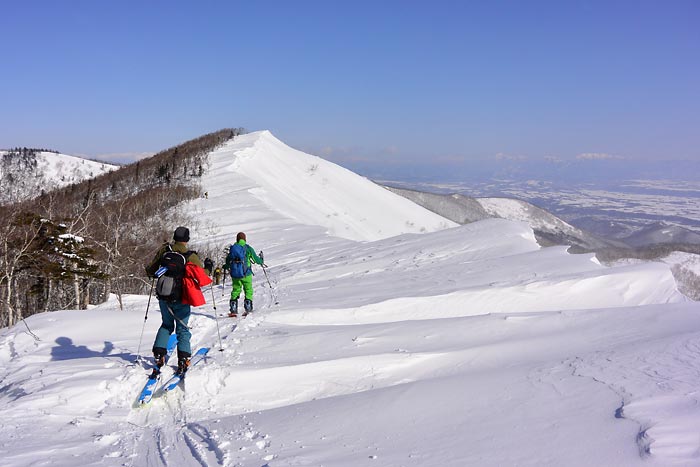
(194, 279)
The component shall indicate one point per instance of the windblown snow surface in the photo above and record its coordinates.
(398, 339)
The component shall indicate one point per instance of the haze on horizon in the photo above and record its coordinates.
(396, 85)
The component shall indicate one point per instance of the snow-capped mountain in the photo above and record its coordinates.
(548, 228)
(383, 334)
(25, 173)
(314, 192)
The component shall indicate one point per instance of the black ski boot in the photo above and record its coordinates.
(159, 357)
(247, 306)
(183, 363)
(233, 308)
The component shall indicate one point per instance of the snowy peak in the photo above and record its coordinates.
(62, 169)
(25, 173)
(313, 191)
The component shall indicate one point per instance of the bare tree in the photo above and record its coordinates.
(18, 232)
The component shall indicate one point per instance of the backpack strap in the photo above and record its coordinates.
(247, 258)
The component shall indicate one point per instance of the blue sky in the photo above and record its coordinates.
(386, 83)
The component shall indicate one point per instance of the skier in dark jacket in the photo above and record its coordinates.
(175, 315)
(244, 283)
(208, 266)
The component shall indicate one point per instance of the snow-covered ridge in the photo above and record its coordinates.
(464, 209)
(538, 219)
(316, 192)
(25, 176)
(62, 169)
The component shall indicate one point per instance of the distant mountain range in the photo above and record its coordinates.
(661, 233)
(549, 229)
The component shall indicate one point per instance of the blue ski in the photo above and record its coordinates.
(175, 380)
(150, 386)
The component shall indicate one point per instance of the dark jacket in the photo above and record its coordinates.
(180, 247)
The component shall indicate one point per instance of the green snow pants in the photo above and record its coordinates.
(245, 283)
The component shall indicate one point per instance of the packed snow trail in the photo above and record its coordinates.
(150, 387)
(169, 432)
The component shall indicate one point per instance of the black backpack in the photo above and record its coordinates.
(170, 275)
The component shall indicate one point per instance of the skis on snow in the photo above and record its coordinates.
(150, 386)
(176, 378)
(234, 316)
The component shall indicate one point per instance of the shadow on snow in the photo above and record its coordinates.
(67, 350)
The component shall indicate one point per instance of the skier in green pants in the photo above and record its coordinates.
(238, 263)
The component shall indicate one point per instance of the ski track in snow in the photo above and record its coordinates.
(662, 399)
(463, 346)
(176, 439)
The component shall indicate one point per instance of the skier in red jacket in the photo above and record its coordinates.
(175, 311)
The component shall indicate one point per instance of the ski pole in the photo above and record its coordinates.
(150, 293)
(177, 319)
(216, 317)
(268, 283)
(223, 284)
(266, 277)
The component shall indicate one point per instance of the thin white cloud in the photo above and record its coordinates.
(451, 159)
(501, 156)
(553, 159)
(119, 157)
(327, 151)
(597, 156)
(392, 149)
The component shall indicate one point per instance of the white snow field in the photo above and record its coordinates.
(52, 170)
(62, 169)
(398, 339)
